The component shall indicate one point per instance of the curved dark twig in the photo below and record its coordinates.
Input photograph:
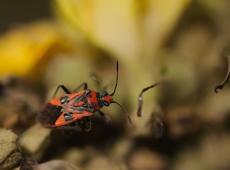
(221, 85)
(140, 98)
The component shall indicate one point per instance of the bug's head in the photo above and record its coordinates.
(106, 98)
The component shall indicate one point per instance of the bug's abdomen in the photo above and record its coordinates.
(49, 114)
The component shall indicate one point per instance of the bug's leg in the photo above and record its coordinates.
(157, 124)
(105, 117)
(73, 126)
(96, 79)
(124, 109)
(87, 124)
(84, 85)
(140, 98)
(63, 88)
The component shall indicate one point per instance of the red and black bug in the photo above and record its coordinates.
(67, 110)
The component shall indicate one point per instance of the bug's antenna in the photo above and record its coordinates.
(129, 119)
(115, 88)
(222, 84)
(140, 98)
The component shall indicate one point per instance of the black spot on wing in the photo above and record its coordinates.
(79, 98)
(49, 114)
(64, 99)
(68, 116)
(88, 94)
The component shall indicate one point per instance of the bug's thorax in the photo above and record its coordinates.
(104, 99)
(88, 100)
(91, 100)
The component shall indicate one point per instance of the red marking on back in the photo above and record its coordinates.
(107, 98)
(78, 103)
(92, 99)
(55, 101)
(73, 95)
(76, 116)
(60, 121)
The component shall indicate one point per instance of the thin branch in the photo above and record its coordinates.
(221, 85)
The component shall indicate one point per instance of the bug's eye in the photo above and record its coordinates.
(64, 99)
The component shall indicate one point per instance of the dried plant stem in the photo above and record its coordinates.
(221, 85)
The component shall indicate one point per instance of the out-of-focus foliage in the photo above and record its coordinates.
(9, 153)
(205, 155)
(128, 29)
(33, 141)
(56, 164)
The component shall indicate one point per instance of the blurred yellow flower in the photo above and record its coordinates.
(21, 49)
(131, 30)
(127, 29)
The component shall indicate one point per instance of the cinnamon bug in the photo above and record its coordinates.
(71, 108)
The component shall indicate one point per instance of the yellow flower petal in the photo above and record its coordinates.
(23, 48)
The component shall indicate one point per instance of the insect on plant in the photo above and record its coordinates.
(69, 110)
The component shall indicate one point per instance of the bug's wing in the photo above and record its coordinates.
(49, 114)
(61, 121)
(67, 118)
